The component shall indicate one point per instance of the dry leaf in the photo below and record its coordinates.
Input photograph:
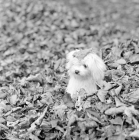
(46, 98)
(35, 78)
(118, 89)
(72, 119)
(121, 61)
(57, 64)
(68, 101)
(117, 120)
(133, 110)
(136, 46)
(135, 133)
(117, 51)
(33, 137)
(107, 85)
(60, 110)
(119, 137)
(102, 94)
(117, 74)
(3, 94)
(133, 97)
(134, 58)
(118, 102)
(114, 110)
(13, 99)
(3, 106)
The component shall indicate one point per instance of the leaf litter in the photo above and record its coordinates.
(34, 39)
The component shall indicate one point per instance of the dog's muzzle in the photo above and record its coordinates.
(77, 72)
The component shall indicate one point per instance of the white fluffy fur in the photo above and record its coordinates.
(89, 77)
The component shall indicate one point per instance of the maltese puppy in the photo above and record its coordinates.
(86, 71)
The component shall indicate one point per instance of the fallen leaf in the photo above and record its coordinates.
(118, 89)
(117, 120)
(128, 54)
(134, 59)
(2, 120)
(72, 119)
(133, 97)
(121, 61)
(3, 106)
(118, 102)
(46, 98)
(117, 51)
(107, 85)
(102, 94)
(57, 64)
(35, 78)
(109, 130)
(87, 104)
(135, 133)
(12, 124)
(113, 65)
(3, 94)
(60, 110)
(117, 74)
(133, 110)
(119, 137)
(33, 137)
(136, 46)
(13, 99)
(114, 110)
(68, 100)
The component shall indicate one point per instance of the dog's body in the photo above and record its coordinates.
(75, 85)
(86, 71)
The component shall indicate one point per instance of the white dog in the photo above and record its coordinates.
(86, 70)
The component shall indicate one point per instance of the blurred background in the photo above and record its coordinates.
(32, 32)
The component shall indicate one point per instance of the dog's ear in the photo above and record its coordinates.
(70, 55)
(69, 58)
(97, 67)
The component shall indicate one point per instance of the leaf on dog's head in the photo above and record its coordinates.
(82, 53)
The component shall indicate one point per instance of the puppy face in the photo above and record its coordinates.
(77, 67)
(88, 66)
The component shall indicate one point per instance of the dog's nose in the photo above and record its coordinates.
(76, 72)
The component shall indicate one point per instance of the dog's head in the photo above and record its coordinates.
(85, 65)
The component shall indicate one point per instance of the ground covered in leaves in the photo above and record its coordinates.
(35, 36)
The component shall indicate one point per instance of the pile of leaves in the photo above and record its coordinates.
(35, 36)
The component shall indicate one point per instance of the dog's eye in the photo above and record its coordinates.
(85, 65)
(73, 55)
